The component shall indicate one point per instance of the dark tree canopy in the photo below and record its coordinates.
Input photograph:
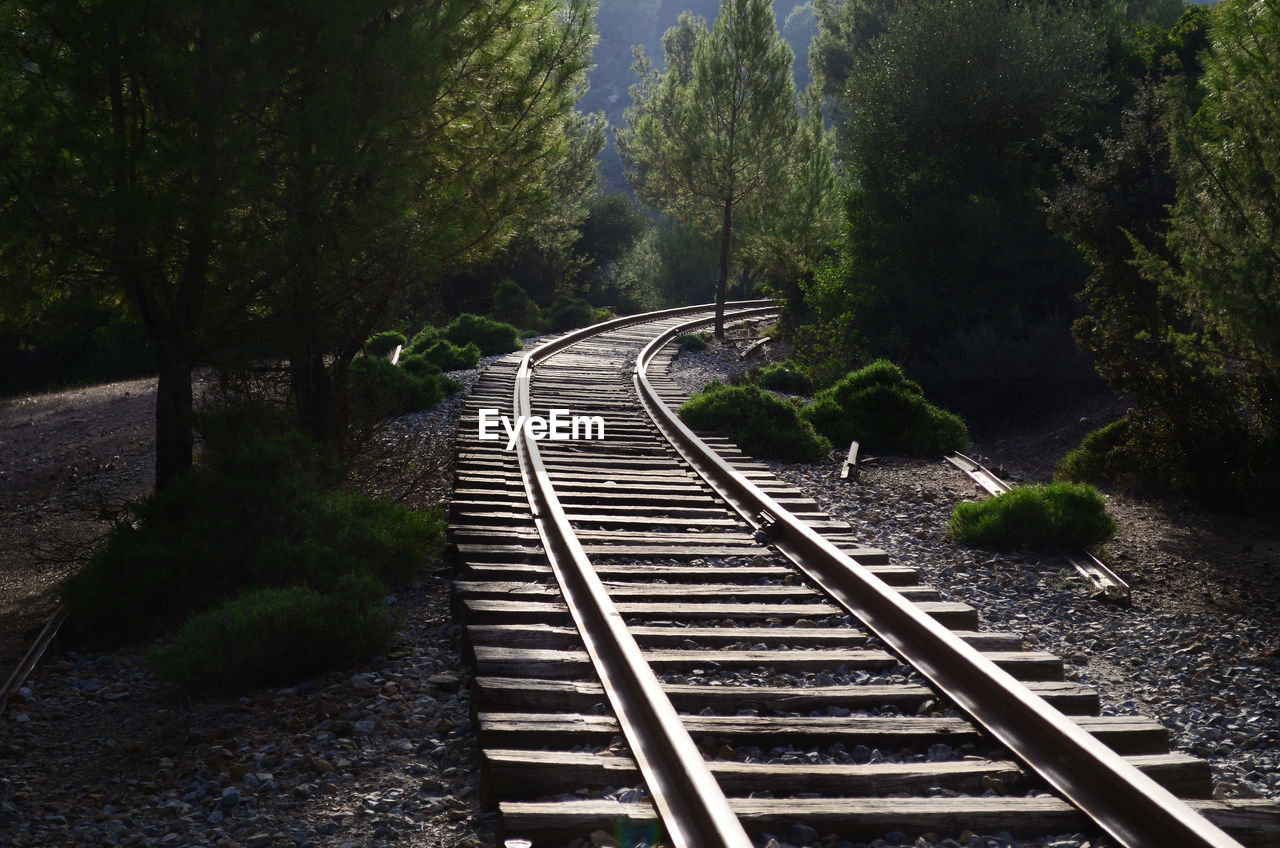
(242, 173)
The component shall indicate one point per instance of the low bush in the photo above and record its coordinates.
(569, 313)
(424, 338)
(260, 511)
(1104, 456)
(512, 306)
(485, 333)
(1059, 515)
(382, 344)
(761, 424)
(781, 377)
(447, 356)
(693, 341)
(380, 389)
(277, 636)
(886, 413)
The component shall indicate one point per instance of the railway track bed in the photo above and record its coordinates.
(811, 725)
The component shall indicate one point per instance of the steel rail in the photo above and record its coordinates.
(1132, 807)
(690, 803)
(34, 655)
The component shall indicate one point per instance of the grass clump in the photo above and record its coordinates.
(382, 344)
(275, 636)
(258, 538)
(1059, 515)
(693, 341)
(760, 424)
(781, 377)
(885, 412)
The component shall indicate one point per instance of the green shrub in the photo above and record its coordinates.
(781, 377)
(260, 511)
(1058, 515)
(488, 335)
(569, 313)
(886, 413)
(512, 306)
(693, 341)
(761, 424)
(277, 636)
(1104, 456)
(447, 356)
(418, 365)
(381, 389)
(425, 337)
(381, 344)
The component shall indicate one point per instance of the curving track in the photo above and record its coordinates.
(701, 666)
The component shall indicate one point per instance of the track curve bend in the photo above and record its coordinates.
(672, 646)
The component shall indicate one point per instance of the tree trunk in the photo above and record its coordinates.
(313, 394)
(174, 437)
(722, 283)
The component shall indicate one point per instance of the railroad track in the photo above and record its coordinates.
(650, 661)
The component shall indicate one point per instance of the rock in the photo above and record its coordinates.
(801, 834)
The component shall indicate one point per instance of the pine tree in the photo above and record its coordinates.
(715, 131)
(245, 173)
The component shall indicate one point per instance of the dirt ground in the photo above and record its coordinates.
(68, 462)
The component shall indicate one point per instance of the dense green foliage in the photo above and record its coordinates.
(781, 377)
(569, 313)
(759, 423)
(1059, 515)
(671, 265)
(383, 343)
(947, 266)
(277, 636)
(381, 389)
(485, 333)
(1203, 421)
(1224, 232)
(261, 510)
(512, 305)
(444, 355)
(885, 412)
(242, 175)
